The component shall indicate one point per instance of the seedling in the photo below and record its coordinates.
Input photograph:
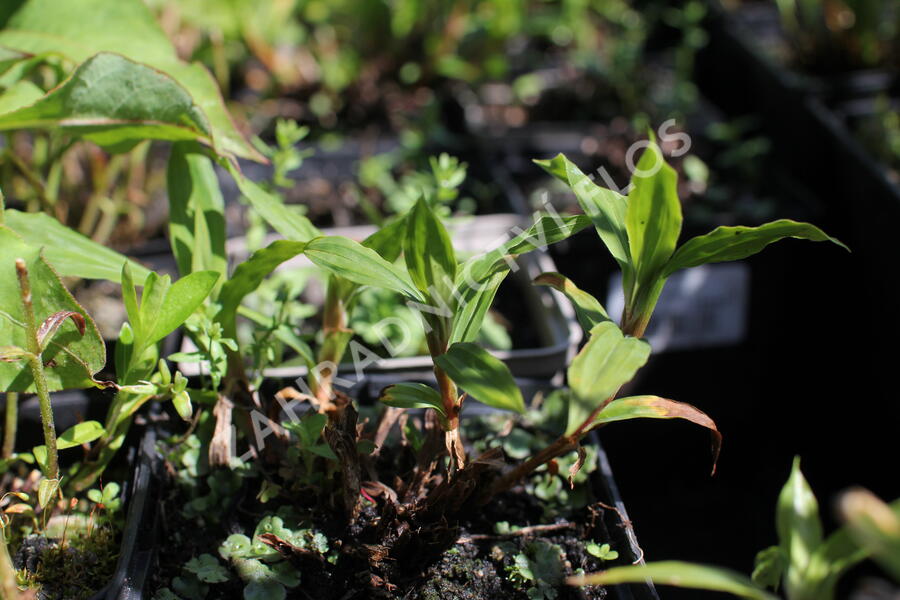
(805, 564)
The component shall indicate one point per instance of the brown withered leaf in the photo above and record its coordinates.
(573, 470)
(341, 434)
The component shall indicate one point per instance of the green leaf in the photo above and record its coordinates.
(587, 308)
(482, 376)
(769, 567)
(654, 407)
(679, 574)
(72, 358)
(267, 589)
(47, 490)
(181, 299)
(82, 433)
(604, 364)
(653, 216)
(288, 223)
(734, 243)
(412, 395)
(473, 306)
(182, 403)
(21, 93)
(544, 232)
(604, 207)
(352, 261)
(249, 275)
(79, 29)
(207, 569)
(196, 211)
(388, 240)
(114, 101)
(70, 253)
(428, 252)
(799, 527)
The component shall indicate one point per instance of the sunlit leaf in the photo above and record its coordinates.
(587, 308)
(412, 395)
(483, 376)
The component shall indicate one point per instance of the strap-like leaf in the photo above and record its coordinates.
(653, 217)
(70, 253)
(654, 407)
(605, 207)
(680, 574)
(412, 395)
(485, 377)
(604, 364)
(734, 243)
(587, 308)
(474, 303)
(429, 255)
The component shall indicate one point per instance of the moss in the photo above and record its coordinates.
(77, 568)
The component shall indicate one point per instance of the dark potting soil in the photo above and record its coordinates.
(507, 549)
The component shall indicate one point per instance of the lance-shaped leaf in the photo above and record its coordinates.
(412, 395)
(353, 261)
(734, 243)
(72, 358)
(289, 223)
(164, 307)
(680, 574)
(604, 364)
(114, 102)
(875, 526)
(196, 211)
(70, 253)
(428, 252)
(547, 230)
(605, 207)
(482, 376)
(473, 305)
(80, 29)
(587, 308)
(799, 527)
(653, 217)
(654, 407)
(249, 275)
(79, 434)
(388, 240)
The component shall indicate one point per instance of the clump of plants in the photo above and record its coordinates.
(406, 495)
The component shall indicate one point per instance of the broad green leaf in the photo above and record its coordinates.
(587, 308)
(181, 300)
(799, 527)
(604, 364)
(482, 376)
(545, 231)
(654, 407)
(388, 240)
(288, 223)
(82, 433)
(352, 261)
(428, 252)
(412, 395)
(115, 102)
(79, 29)
(72, 358)
(680, 574)
(70, 253)
(734, 243)
(605, 207)
(249, 275)
(196, 211)
(653, 217)
(473, 306)
(22, 93)
(875, 526)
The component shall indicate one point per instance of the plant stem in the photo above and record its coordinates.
(12, 421)
(7, 571)
(37, 371)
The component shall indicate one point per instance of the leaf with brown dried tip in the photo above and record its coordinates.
(654, 407)
(52, 323)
